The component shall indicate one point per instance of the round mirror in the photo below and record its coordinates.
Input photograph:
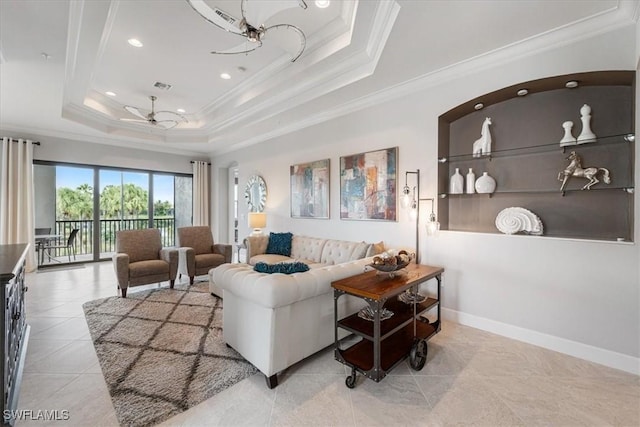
(256, 193)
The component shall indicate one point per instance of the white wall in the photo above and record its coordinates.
(578, 297)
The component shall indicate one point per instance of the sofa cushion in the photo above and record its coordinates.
(337, 251)
(360, 251)
(197, 237)
(307, 248)
(279, 290)
(269, 259)
(283, 267)
(279, 244)
(375, 249)
(148, 268)
(204, 260)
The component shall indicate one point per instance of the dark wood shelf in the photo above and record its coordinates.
(403, 313)
(392, 350)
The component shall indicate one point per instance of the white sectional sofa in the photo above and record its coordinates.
(276, 320)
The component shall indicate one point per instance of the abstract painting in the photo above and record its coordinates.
(368, 185)
(310, 190)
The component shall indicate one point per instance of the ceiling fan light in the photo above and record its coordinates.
(181, 110)
(253, 34)
(109, 93)
(322, 4)
(135, 42)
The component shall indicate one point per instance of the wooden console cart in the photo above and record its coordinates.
(388, 342)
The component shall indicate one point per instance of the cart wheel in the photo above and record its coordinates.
(418, 355)
(350, 381)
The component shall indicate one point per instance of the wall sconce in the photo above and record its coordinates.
(257, 221)
(411, 199)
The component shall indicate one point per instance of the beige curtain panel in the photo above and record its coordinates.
(17, 196)
(200, 193)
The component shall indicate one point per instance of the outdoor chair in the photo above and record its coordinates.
(140, 259)
(70, 247)
(41, 243)
(198, 253)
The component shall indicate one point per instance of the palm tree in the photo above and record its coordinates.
(136, 200)
(110, 201)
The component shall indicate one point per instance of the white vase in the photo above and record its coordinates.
(471, 181)
(485, 184)
(456, 183)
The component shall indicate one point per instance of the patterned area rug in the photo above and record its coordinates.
(162, 352)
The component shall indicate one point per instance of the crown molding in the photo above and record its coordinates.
(352, 56)
(347, 67)
(41, 134)
(331, 35)
(606, 21)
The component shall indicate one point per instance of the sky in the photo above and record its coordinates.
(72, 177)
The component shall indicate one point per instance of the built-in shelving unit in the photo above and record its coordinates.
(526, 157)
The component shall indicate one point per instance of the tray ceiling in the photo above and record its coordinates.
(59, 58)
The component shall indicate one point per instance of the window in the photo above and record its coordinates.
(107, 200)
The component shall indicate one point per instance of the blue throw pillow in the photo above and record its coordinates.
(279, 244)
(284, 267)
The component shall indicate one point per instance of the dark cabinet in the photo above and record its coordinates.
(15, 329)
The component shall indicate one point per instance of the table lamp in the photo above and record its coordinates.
(257, 221)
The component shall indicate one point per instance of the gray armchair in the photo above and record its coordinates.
(140, 259)
(198, 253)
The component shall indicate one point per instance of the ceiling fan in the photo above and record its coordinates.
(252, 25)
(167, 119)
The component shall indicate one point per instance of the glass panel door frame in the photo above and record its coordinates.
(96, 220)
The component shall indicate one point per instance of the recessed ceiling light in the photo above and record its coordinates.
(322, 4)
(571, 84)
(135, 42)
(109, 93)
(522, 92)
(181, 110)
(479, 106)
(225, 76)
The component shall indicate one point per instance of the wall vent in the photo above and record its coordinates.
(162, 86)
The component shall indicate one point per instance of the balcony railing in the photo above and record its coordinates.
(108, 228)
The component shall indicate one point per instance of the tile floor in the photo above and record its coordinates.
(471, 378)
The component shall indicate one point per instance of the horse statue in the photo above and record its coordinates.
(482, 146)
(575, 169)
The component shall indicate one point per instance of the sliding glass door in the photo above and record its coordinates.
(106, 200)
(63, 213)
(124, 205)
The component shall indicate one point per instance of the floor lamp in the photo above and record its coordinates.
(411, 199)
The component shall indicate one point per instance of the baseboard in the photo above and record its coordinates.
(601, 356)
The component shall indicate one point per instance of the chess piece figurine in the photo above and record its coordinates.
(568, 138)
(586, 135)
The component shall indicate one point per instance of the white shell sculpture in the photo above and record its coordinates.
(518, 220)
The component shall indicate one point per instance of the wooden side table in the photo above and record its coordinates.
(388, 342)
